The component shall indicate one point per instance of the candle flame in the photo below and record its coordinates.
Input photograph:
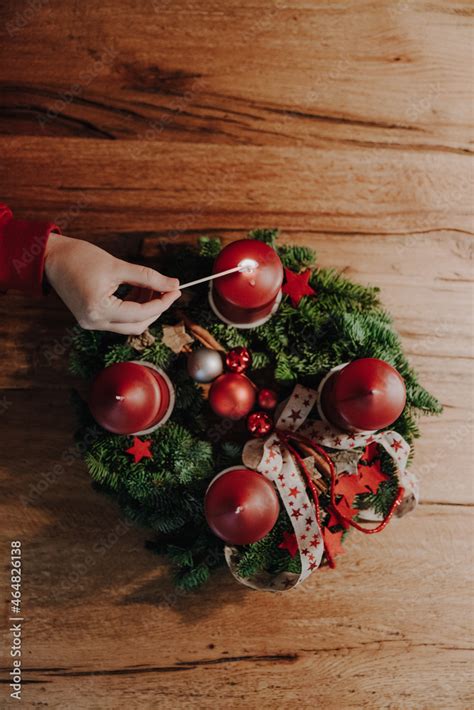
(248, 265)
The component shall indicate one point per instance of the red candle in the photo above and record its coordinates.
(365, 395)
(241, 506)
(248, 298)
(131, 398)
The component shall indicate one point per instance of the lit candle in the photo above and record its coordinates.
(131, 398)
(364, 395)
(248, 297)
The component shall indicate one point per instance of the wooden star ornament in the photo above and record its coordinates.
(141, 342)
(346, 461)
(176, 337)
(297, 285)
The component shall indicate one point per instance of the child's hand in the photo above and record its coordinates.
(86, 277)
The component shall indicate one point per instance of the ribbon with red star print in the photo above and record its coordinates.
(279, 466)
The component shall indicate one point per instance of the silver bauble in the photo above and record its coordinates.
(204, 365)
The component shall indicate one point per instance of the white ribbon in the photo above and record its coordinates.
(278, 465)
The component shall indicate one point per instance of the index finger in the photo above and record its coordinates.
(146, 277)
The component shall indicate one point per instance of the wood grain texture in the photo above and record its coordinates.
(349, 126)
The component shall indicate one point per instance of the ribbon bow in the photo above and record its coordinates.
(283, 466)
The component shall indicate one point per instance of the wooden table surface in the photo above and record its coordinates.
(346, 124)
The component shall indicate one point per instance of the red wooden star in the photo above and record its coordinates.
(371, 452)
(371, 476)
(289, 543)
(348, 485)
(297, 285)
(336, 520)
(345, 510)
(140, 449)
(332, 542)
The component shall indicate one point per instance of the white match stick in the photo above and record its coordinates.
(245, 265)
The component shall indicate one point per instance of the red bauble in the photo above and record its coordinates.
(259, 424)
(241, 506)
(232, 396)
(238, 360)
(127, 398)
(365, 395)
(247, 296)
(267, 399)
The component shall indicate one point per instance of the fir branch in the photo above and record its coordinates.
(266, 555)
(335, 292)
(260, 360)
(230, 454)
(209, 247)
(189, 580)
(297, 258)
(122, 352)
(85, 359)
(268, 236)
(381, 501)
(158, 353)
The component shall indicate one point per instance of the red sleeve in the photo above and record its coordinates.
(22, 252)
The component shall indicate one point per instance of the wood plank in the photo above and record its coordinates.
(305, 73)
(155, 186)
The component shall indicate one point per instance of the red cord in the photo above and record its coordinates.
(285, 438)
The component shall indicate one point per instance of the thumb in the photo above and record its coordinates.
(136, 275)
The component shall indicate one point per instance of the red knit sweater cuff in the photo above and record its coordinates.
(24, 243)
